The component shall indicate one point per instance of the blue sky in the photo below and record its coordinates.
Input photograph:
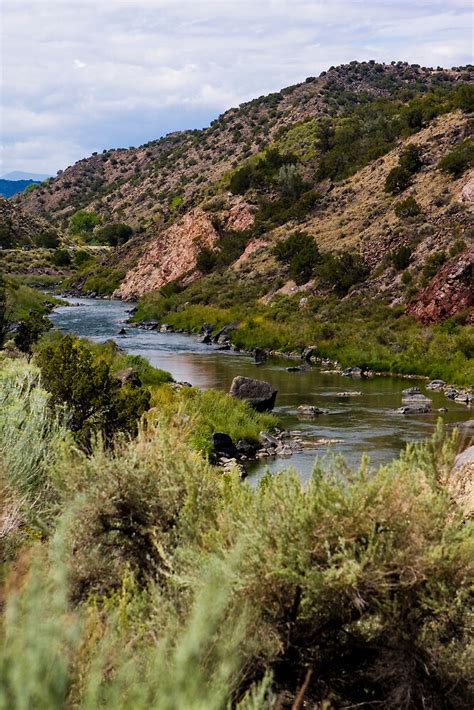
(83, 75)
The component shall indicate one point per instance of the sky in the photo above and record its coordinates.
(79, 76)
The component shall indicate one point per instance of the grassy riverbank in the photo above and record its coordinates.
(355, 332)
(135, 576)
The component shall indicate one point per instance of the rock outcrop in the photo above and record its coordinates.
(171, 255)
(448, 293)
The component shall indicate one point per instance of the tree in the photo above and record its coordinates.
(113, 234)
(29, 331)
(61, 258)
(301, 253)
(397, 180)
(82, 223)
(407, 208)
(290, 181)
(48, 240)
(410, 158)
(82, 386)
(342, 271)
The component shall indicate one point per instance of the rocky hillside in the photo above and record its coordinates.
(18, 227)
(156, 181)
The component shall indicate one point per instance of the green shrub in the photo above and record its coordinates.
(401, 258)
(83, 388)
(61, 257)
(301, 253)
(29, 331)
(47, 240)
(342, 271)
(82, 223)
(407, 208)
(458, 160)
(410, 158)
(397, 180)
(432, 265)
(113, 234)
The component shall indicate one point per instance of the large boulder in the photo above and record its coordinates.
(260, 394)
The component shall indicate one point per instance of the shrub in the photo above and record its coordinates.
(61, 257)
(397, 180)
(407, 208)
(113, 234)
(401, 258)
(342, 271)
(464, 97)
(83, 388)
(458, 160)
(4, 316)
(432, 265)
(82, 223)
(301, 253)
(410, 158)
(30, 330)
(47, 240)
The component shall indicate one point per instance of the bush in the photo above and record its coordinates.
(82, 223)
(30, 330)
(401, 258)
(432, 265)
(397, 180)
(83, 388)
(61, 257)
(301, 253)
(4, 315)
(342, 271)
(458, 160)
(47, 240)
(407, 208)
(410, 158)
(113, 234)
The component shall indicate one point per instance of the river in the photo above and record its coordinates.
(363, 424)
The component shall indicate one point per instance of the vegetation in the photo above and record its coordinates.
(29, 330)
(407, 208)
(301, 253)
(113, 234)
(401, 258)
(138, 577)
(82, 223)
(460, 159)
(82, 386)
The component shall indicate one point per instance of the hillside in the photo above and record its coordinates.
(18, 228)
(155, 181)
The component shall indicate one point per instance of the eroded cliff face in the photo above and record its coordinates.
(449, 293)
(172, 254)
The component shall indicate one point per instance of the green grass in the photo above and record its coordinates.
(22, 299)
(355, 332)
(211, 411)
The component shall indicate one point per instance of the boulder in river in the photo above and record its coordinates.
(411, 391)
(436, 385)
(166, 328)
(416, 399)
(222, 335)
(352, 372)
(414, 409)
(258, 393)
(122, 331)
(309, 410)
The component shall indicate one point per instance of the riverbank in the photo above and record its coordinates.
(357, 332)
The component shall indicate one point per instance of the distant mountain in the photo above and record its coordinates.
(8, 188)
(20, 175)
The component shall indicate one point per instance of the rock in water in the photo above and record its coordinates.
(260, 394)
(223, 445)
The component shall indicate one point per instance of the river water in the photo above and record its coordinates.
(363, 424)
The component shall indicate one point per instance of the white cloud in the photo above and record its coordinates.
(82, 75)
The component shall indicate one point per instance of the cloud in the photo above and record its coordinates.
(85, 75)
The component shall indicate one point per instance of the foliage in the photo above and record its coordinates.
(401, 258)
(460, 159)
(410, 158)
(301, 253)
(407, 208)
(464, 97)
(47, 239)
(29, 330)
(82, 387)
(397, 180)
(4, 316)
(61, 257)
(113, 234)
(342, 271)
(165, 585)
(263, 173)
(82, 223)
(432, 265)
(103, 280)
